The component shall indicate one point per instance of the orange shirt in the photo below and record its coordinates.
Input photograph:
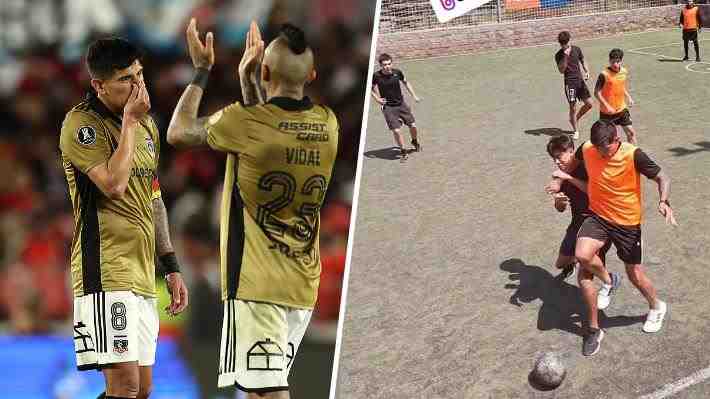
(690, 18)
(613, 91)
(614, 186)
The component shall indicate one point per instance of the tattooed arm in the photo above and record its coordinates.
(185, 129)
(168, 261)
(249, 66)
(162, 231)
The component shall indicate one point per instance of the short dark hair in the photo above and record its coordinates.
(563, 37)
(384, 57)
(105, 56)
(603, 133)
(616, 54)
(559, 143)
(295, 38)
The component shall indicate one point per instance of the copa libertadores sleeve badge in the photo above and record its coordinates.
(86, 135)
(446, 10)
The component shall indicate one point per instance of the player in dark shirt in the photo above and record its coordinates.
(569, 59)
(387, 92)
(691, 22)
(572, 191)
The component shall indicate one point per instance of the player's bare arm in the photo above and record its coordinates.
(586, 69)
(112, 177)
(598, 91)
(628, 97)
(166, 254)
(410, 89)
(581, 185)
(185, 129)
(249, 66)
(664, 191)
(376, 95)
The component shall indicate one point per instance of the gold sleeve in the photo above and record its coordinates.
(224, 129)
(84, 141)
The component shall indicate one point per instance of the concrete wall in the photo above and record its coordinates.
(432, 43)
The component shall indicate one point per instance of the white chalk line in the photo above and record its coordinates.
(688, 67)
(677, 386)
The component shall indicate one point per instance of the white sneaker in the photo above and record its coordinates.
(607, 291)
(654, 320)
(575, 135)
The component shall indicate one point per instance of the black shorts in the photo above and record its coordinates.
(569, 242)
(623, 118)
(395, 115)
(626, 239)
(690, 35)
(576, 91)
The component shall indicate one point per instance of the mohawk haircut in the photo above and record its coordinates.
(295, 38)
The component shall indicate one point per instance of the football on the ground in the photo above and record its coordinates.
(549, 371)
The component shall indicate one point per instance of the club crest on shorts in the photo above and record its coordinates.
(265, 355)
(86, 135)
(120, 345)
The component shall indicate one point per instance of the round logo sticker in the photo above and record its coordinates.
(86, 135)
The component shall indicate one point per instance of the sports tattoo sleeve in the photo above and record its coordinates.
(251, 92)
(185, 128)
(162, 230)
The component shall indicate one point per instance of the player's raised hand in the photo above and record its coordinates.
(253, 53)
(202, 54)
(178, 294)
(138, 103)
(666, 211)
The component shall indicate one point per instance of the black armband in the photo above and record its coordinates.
(169, 263)
(201, 77)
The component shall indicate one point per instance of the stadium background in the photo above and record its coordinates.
(42, 76)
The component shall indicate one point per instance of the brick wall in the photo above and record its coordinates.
(432, 43)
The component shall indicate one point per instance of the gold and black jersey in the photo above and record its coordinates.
(113, 248)
(279, 164)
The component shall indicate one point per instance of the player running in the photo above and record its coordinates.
(280, 158)
(569, 58)
(110, 148)
(386, 90)
(614, 189)
(611, 91)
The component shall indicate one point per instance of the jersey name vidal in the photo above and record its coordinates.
(279, 164)
(113, 248)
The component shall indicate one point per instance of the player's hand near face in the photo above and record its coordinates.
(253, 53)
(138, 103)
(202, 54)
(666, 211)
(178, 294)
